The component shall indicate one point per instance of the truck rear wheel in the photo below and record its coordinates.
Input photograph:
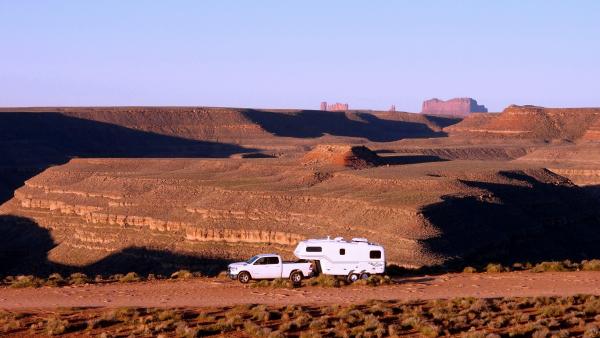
(244, 277)
(296, 277)
(364, 275)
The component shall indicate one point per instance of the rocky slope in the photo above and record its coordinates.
(532, 123)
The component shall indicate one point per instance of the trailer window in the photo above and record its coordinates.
(314, 249)
(375, 254)
(342, 252)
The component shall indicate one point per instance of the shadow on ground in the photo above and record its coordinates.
(31, 142)
(24, 248)
(409, 159)
(527, 222)
(316, 123)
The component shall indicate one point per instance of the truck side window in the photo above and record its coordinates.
(273, 260)
(261, 261)
(342, 252)
(314, 249)
(375, 254)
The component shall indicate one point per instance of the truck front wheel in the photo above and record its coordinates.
(296, 277)
(244, 277)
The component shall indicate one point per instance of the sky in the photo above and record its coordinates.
(295, 54)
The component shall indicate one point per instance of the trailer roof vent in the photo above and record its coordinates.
(359, 239)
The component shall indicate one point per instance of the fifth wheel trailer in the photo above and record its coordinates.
(353, 259)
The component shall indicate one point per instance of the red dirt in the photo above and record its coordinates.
(216, 292)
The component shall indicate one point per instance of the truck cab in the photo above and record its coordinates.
(269, 266)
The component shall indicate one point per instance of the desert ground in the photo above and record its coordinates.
(154, 190)
(211, 292)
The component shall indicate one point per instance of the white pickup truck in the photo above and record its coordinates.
(269, 266)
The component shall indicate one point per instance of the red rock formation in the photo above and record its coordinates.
(337, 107)
(356, 157)
(459, 106)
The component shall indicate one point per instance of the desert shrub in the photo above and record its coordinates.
(130, 278)
(394, 330)
(351, 316)
(319, 324)
(56, 326)
(261, 284)
(26, 282)
(55, 279)
(592, 306)
(413, 322)
(282, 283)
(182, 274)
(479, 306)
(326, 281)
(591, 331)
(429, 330)
(541, 332)
(255, 330)
(469, 269)
(285, 326)
(78, 278)
(552, 311)
(302, 321)
(163, 315)
(591, 265)
(183, 330)
(374, 280)
(261, 313)
(223, 275)
(549, 266)
(205, 317)
(116, 277)
(371, 322)
(494, 268)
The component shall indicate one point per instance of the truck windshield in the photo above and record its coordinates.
(251, 260)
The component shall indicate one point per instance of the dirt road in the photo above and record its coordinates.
(215, 292)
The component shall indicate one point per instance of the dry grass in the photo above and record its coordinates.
(463, 317)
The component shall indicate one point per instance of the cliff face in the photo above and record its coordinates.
(457, 106)
(231, 209)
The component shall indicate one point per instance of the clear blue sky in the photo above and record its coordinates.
(295, 54)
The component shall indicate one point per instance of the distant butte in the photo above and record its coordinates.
(458, 106)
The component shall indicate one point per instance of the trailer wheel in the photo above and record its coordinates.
(244, 277)
(364, 275)
(296, 277)
(352, 278)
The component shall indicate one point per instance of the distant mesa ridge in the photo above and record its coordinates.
(457, 106)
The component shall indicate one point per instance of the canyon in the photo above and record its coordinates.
(156, 189)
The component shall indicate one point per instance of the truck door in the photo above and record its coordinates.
(273, 267)
(267, 268)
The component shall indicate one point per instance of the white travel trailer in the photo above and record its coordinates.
(352, 259)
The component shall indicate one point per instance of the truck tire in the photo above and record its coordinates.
(244, 277)
(364, 275)
(296, 277)
(352, 278)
